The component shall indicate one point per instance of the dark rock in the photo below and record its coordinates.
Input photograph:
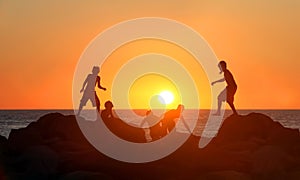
(21, 139)
(48, 130)
(247, 133)
(80, 175)
(294, 175)
(246, 146)
(3, 142)
(125, 131)
(225, 175)
(271, 162)
(36, 162)
(245, 128)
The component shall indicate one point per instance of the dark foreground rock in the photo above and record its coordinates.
(246, 147)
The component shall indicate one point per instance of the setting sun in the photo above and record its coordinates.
(166, 97)
(153, 91)
(144, 89)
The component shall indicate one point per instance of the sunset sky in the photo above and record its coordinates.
(41, 42)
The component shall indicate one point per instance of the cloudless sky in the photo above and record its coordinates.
(41, 42)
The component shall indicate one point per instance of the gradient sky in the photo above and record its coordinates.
(41, 42)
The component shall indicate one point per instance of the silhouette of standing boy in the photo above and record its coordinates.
(89, 93)
(228, 93)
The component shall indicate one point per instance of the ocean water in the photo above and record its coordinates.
(15, 119)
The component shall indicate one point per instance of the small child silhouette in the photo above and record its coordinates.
(228, 93)
(89, 92)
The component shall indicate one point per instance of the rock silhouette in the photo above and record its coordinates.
(247, 147)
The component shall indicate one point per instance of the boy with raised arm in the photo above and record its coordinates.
(228, 93)
(88, 89)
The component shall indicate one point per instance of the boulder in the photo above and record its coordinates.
(255, 144)
(249, 132)
(79, 175)
(271, 162)
(225, 175)
(246, 146)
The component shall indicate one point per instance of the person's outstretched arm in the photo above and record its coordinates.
(84, 84)
(98, 84)
(220, 80)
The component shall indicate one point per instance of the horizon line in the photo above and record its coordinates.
(62, 109)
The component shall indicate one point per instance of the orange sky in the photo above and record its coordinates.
(147, 84)
(41, 42)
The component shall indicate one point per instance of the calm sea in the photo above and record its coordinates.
(14, 119)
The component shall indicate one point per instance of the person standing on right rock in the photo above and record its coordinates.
(228, 93)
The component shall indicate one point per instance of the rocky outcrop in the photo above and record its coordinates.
(257, 145)
(246, 147)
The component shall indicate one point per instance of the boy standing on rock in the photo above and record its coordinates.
(89, 93)
(228, 93)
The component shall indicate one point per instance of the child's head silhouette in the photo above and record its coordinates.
(108, 105)
(96, 70)
(222, 65)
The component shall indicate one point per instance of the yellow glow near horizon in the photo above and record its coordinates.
(141, 89)
(147, 91)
